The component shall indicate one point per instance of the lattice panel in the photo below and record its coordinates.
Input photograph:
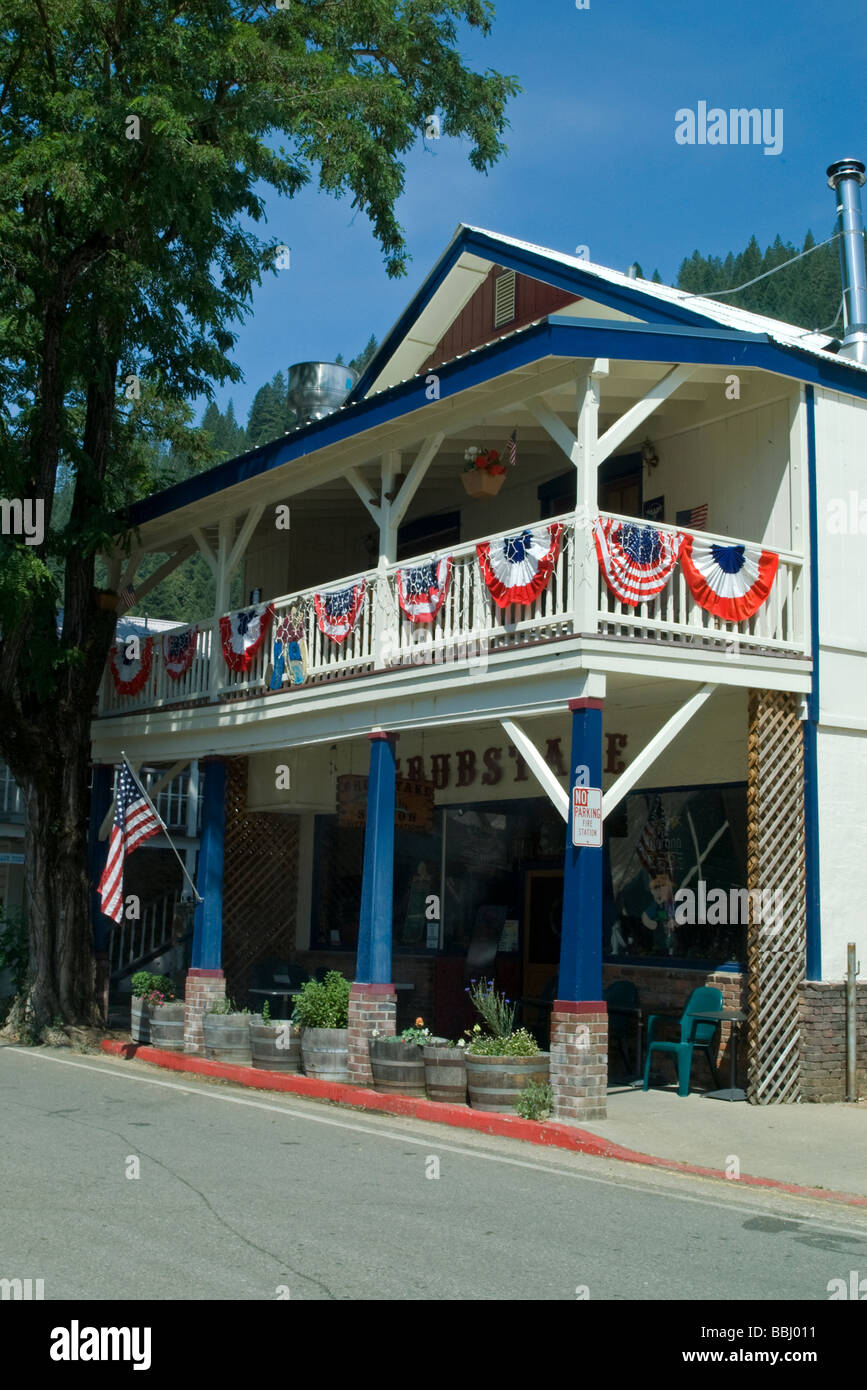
(260, 875)
(776, 937)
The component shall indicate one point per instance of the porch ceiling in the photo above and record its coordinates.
(483, 414)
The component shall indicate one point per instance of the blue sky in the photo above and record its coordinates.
(592, 159)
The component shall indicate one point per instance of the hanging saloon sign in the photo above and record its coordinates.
(414, 803)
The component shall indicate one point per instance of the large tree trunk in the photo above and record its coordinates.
(60, 981)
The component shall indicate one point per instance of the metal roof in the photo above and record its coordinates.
(445, 291)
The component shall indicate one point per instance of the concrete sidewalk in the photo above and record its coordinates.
(810, 1145)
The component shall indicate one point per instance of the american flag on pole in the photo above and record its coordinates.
(135, 821)
(512, 449)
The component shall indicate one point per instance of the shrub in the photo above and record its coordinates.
(496, 1010)
(517, 1044)
(323, 1003)
(224, 1006)
(144, 982)
(536, 1101)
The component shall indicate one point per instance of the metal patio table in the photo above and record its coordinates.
(735, 1017)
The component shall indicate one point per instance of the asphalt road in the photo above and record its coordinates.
(249, 1196)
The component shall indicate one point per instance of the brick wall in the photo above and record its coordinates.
(371, 1009)
(203, 986)
(579, 1060)
(823, 1041)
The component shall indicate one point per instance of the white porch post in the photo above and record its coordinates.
(221, 602)
(382, 616)
(585, 570)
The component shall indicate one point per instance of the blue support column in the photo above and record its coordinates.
(581, 934)
(97, 850)
(208, 921)
(377, 886)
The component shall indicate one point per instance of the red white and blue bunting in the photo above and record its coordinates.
(421, 590)
(243, 633)
(730, 581)
(338, 609)
(179, 648)
(636, 559)
(131, 660)
(517, 568)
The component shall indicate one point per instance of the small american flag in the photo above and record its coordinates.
(134, 822)
(128, 596)
(512, 449)
(695, 518)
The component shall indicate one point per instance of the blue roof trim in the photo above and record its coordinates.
(717, 347)
(626, 299)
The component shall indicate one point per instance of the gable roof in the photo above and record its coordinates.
(606, 293)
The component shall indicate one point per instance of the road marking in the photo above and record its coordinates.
(106, 1070)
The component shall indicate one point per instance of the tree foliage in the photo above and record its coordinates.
(807, 293)
(137, 138)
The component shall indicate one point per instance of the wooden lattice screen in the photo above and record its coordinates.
(776, 938)
(260, 872)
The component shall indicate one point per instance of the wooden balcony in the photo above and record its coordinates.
(470, 626)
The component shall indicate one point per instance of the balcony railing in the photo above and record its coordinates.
(469, 623)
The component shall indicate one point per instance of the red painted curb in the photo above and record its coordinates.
(548, 1135)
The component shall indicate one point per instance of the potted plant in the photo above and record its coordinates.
(144, 984)
(322, 1011)
(398, 1063)
(445, 1071)
(226, 1033)
(483, 474)
(166, 1019)
(502, 1062)
(275, 1042)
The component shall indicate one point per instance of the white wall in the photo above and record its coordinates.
(841, 456)
(738, 465)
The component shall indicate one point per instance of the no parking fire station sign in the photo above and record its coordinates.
(587, 817)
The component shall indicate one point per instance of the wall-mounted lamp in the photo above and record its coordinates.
(649, 455)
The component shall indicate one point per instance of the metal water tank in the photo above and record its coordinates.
(318, 388)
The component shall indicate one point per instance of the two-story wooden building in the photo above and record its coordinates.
(658, 591)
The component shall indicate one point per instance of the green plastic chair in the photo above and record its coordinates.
(694, 1032)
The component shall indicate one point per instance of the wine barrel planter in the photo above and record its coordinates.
(397, 1066)
(227, 1038)
(494, 1083)
(325, 1053)
(167, 1026)
(445, 1074)
(276, 1045)
(139, 1019)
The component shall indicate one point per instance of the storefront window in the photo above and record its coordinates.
(677, 875)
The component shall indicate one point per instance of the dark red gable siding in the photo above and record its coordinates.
(474, 326)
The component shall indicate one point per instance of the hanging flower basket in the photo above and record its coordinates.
(482, 484)
(484, 474)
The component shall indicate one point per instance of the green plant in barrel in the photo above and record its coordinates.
(502, 1061)
(498, 1012)
(145, 983)
(323, 1003)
